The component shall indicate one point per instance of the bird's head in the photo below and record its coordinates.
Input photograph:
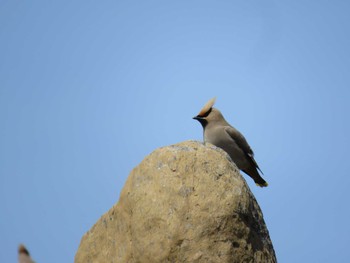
(208, 113)
(22, 250)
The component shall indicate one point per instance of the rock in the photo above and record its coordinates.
(183, 203)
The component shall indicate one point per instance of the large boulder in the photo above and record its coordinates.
(184, 203)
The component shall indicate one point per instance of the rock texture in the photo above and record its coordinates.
(184, 203)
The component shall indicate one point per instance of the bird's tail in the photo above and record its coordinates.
(253, 173)
(261, 182)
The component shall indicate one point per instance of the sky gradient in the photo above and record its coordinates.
(88, 89)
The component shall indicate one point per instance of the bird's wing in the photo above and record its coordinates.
(242, 143)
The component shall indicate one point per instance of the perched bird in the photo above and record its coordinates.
(219, 132)
(23, 255)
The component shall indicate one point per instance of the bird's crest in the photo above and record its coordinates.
(207, 107)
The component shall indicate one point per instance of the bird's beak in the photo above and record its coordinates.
(198, 118)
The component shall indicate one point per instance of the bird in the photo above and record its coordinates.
(23, 255)
(220, 133)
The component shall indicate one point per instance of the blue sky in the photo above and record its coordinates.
(88, 89)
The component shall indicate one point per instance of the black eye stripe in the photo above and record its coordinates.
(207, 113)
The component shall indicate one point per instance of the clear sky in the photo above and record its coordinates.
(89, 88)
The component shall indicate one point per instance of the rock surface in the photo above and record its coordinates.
(183, 203)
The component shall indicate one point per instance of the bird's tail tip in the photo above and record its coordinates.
(264, 184)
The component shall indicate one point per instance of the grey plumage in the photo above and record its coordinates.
(219, 132)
